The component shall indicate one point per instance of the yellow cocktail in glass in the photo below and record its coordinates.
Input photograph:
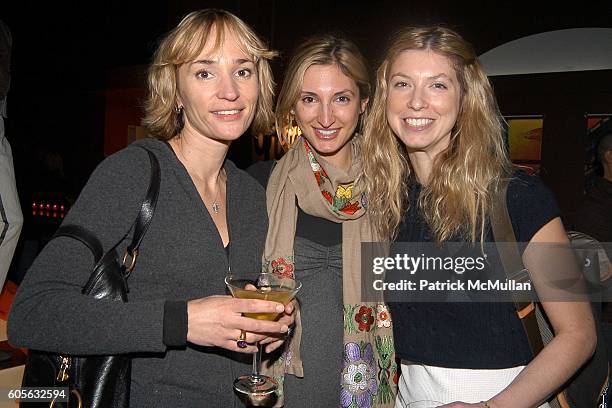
(275, 293)
(257, 387)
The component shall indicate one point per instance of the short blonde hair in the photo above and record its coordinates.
(183, 44)
(319, 50)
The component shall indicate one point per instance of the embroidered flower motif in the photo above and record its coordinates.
(356, 378)
(396, 376)
(340, 201)
(288, 357)
(327, 196)
(280, 379)
(345, 192)
(283, 268)
(350, 208)
(350, 325)
(383, 319)
(315, 166)
(319, 172)
(321, 176)
(359, 384)
(386, 368)
(364, 318)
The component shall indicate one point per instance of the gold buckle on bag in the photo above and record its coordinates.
(526, 310)
(133, 255)
(76, 393)
(62, 374)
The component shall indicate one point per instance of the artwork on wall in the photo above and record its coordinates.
(524, 138)
(597, 126)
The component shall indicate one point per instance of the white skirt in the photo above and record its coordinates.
(445, 385)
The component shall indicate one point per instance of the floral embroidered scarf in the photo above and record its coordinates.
(369, 370)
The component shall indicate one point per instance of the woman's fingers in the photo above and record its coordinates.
(257, 306)
(275, 344)
(251, 340)
(261, 326)
(217, 320)
(288, 320)
(233, 346)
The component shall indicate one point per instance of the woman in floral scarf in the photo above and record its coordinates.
(341, 351)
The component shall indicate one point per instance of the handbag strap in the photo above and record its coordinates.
(141, 224)
(81, 234)
(147, 209)
(512, 262)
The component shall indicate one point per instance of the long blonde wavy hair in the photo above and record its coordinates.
(325, 49)
(183, 44)
(465, 177)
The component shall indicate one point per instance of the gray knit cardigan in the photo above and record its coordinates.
(181, 258)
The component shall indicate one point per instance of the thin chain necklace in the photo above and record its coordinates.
(216, 207)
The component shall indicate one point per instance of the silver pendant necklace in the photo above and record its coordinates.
(216, 207)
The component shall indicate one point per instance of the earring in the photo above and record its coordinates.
(180, 118)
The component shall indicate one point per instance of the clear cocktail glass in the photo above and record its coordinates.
(256, 386)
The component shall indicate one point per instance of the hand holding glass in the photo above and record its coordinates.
(269, 287)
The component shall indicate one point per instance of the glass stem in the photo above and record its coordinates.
(257, 362)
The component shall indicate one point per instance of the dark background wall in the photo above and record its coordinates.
(68, 57)
(564, 99)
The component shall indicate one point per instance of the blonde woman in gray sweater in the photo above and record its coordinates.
(209, 81)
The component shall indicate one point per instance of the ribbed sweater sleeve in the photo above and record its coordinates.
(175, 323)
(49, 311)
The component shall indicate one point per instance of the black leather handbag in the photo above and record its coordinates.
(95, 381)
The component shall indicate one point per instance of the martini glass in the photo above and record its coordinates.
(256, 387)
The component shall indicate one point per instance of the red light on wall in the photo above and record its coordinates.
(51, 209)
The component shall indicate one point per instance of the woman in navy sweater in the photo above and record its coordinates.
(434, 161)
